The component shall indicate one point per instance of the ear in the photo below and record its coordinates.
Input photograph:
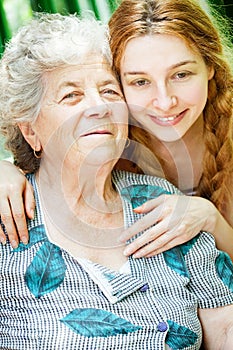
(30, 136)
(211, 72)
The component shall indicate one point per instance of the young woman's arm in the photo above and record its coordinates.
(217, 325)
(178, 219)
(16, 202)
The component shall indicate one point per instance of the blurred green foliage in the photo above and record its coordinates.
(3, 153)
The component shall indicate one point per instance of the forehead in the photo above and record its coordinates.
(90, 70)
(164, 49)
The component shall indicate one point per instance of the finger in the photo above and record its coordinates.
(171, 244)
(18, 213)
(155, 238)
(162, 244)
(143, 241)
(151, 204)
(8, 222)
(141, 225)
(29, 201)
(154, 246)
(2, 236)
(168, 240)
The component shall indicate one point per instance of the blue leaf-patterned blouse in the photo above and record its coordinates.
(51, 301)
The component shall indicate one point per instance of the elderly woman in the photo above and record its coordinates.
(71, 287)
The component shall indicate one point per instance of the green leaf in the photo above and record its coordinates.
(46, 271)
(224, 269)
(36, 234)
(175, 260)
(179, 337)
(97, 323)
(139, 194)
(185, 247)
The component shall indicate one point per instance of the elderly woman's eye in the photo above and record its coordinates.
(71, 98)
(112, 94)
(71, 95)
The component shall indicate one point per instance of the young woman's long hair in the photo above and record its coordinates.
(187, 20)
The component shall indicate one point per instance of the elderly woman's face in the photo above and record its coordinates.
(84, 107)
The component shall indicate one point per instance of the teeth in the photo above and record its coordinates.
(169, 119)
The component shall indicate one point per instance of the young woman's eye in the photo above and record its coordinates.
(141, 82)
(182, 75)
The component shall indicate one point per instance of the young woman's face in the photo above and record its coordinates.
(165, 84)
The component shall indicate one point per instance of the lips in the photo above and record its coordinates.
(97, 132)
(168, 120)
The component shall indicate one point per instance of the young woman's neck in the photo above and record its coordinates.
(181, 160)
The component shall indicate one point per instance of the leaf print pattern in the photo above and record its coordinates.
(175, 260)
(46, 271)
(179, 337)
(224, 268)
(139, 194)
(91, 322)
(36, 234)
(185, 247)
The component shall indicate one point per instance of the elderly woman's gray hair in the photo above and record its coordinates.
(48, 42)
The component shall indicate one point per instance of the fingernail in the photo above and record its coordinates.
(138, 209)
(24, 240)
(126, 252)
(120, 239)
(32, 213)
(14, 244)
(3, 240)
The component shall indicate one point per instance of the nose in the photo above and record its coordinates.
(96, 106)
(164, 99)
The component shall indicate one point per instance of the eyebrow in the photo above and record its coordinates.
(78, 84)
(108, 82)
(179, 64)
(68, 84)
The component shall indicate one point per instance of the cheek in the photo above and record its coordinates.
(120, 112)
(136, 101)
(196, 95)
(133, 97)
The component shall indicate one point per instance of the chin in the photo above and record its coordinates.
(170, 136)
(101, 156)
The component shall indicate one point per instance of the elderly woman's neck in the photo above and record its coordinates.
(83, 212)
(86, 187)
(90, 186)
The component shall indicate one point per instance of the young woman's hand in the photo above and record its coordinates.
(175, 219)
(16, 202)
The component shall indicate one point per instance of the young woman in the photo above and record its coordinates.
(177, 81)
(175, 72)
